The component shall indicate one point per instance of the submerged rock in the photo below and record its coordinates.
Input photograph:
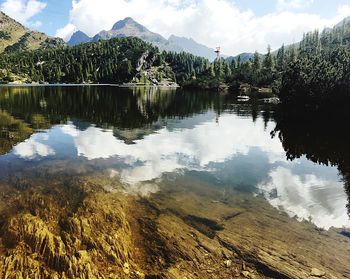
(246, 274)
(317, 273)
(77, 229)
(228, 263)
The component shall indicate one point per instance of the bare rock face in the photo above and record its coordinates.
(51, 42)
(146, 61)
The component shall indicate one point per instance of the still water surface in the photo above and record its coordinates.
(142, 136)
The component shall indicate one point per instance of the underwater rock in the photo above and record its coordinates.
(228, 263)
(77, 229)
(317, 273)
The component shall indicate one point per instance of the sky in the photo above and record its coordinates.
(235, 25)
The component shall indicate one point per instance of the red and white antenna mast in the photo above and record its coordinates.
(218, 52)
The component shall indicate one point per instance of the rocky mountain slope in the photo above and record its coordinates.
(15, 37)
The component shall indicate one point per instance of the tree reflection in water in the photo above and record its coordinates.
(134, 113)
(322, 139)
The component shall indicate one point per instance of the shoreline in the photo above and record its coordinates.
(82, 84)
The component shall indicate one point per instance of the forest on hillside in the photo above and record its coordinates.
(114, 61)
(314, 72)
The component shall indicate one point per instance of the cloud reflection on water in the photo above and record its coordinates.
(207, 147)
(34, 147)
(307, 197)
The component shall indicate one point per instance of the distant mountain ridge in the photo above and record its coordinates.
(243, 57)
(128, 27)
(340, 24)
(191, 46)
(15, 37)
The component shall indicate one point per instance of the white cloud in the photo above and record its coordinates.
(343, 12)
(23, 10)
(212, 22)
(33, 148)
(309, 198)
(293, 4)
(66, 31)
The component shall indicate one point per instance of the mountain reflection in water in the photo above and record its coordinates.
(140, 135)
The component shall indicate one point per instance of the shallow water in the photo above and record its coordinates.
(143, 134)
(149, 138)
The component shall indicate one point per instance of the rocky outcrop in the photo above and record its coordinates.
(51, 42)
(146, 61)
(149, 72)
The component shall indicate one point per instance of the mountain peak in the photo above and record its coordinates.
(128, 21)
(79, 33)
(79, 37)
(128, 27)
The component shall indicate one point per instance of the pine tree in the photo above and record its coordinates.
(268, 61)
(281, 59)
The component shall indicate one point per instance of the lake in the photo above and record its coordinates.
(108, 182)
